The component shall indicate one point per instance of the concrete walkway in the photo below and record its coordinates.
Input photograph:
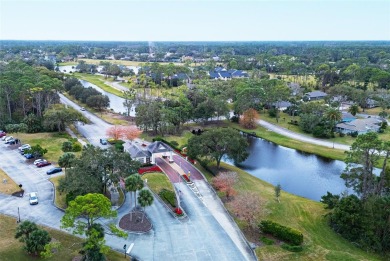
(301, 137)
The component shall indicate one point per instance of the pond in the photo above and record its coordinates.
(299, 173)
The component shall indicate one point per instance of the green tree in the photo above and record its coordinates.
(58, 116)
(66, 146)
(35, 239)
(82, 213)
(354, 109)
(216, 143)
(333, 115)
(36, 151)
(66, 160)
(145, 199)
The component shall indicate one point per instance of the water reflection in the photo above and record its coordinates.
(302, 174)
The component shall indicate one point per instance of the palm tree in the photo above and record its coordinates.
(134, 183)
(333, 115)
(145, 199)
(354, 109)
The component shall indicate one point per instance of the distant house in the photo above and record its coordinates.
(361, 126)
(371, 103)
(316, 95)
(148, 154)
(282, 105)
(223, 74)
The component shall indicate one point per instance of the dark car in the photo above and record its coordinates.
(43, 164)
(53, 170)
(28, 156)
(103, 141)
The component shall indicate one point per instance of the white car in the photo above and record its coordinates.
(8, 138)
(24, 147)
(82, 108)
(38, 161)
(33, 198)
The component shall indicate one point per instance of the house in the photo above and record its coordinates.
(361, 126)
(371, 103)
(316, 95)
(281, 105)
(223, 74)
(148, 154)
(347, 117)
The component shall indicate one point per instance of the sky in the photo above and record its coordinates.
(189, 20)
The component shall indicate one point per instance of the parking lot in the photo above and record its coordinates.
(33, 179)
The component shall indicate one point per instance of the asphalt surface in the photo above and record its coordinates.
(200, 237)
(303, 138)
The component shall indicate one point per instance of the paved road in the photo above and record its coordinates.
(202, 237)
(301, 137)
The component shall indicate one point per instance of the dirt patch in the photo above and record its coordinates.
(135, 222)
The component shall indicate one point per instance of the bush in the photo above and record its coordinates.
(67, 146)
(175, 143)
(292, 248)
(354, 134)
(288, 234)
(76, 147)
(267, 241)
(341, 134)
(272, 112)
(119, 147)
(168, 196)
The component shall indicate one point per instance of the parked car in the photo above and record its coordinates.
(82, 108)
(43, 164)
(13, 141)
(38, 160)
(33, 198)
(24, 147)
(2, 134)
(53, 170)
(103, 141)
(28, 156)
(7, 138)
(10, 141)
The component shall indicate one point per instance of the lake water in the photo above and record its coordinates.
(299, 173)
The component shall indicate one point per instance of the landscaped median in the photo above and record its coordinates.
(160, 185)
(7, 186)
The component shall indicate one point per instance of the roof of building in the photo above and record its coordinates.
(158, 147)
(360, 124)
(136, 151)
(316, 94)
(282, 104)
(346, 115)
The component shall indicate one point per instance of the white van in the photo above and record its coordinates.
(33, 198)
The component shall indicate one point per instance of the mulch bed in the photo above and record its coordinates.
(135, 224)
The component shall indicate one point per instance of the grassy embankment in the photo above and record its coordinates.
(321, 242)
(99, 81)
(10, 186)
(11, 249)
(60, 198)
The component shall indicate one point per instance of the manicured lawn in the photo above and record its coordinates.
(60, 199)
(320, 241)
(121, 62)
(67, 63)
(157, 181)
(98, 81)
(10, 186)
(12, 250)
(52, 141)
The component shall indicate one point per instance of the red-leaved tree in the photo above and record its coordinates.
(224, 182)
(131, 132)
(249, 118)
(248, 207)
(115, 132)
(123, 132)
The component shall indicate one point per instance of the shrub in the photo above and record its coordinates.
(292, 248)
(168, 196)
(174, 143)
(267, 241)
(354, 134)
(67, 146)
(272, 112)
(341, 134)
(178, 211)
(152, 168)
(76, 147)
(119, 147)
(288, 234)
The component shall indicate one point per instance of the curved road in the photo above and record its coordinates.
(300, 137)
(202, 237)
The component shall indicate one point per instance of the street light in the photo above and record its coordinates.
(124, 248)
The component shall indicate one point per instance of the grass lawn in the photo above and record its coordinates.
(67, 63)
(9, 187)
(120, 62)
(98, 81)
(320, 241)
(60, 199)
(52, 141)
(11, 249)
(157, 181)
